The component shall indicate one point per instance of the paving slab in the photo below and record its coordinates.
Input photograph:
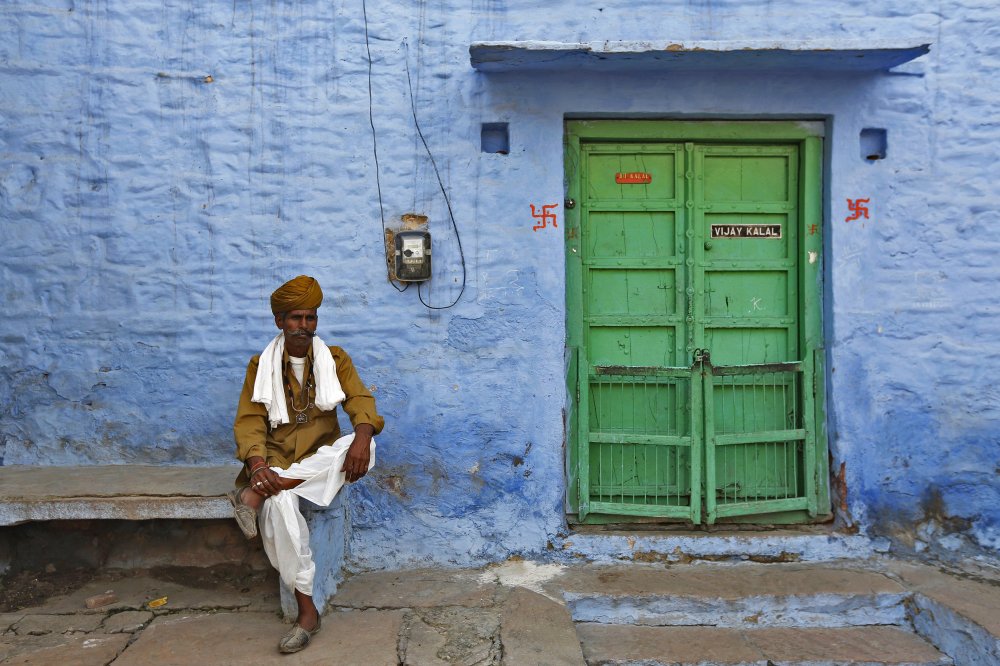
(356, 638)
(622, 644)
(725, 581)
(416, 588)
(472, 634)
(976, 600)
(537, 631)
(39, 625)
(422, 644)
(7, 620)
(86, 650)
(12, 645)
(126, 622)
(847, 645)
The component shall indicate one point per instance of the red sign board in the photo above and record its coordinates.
(634, 178)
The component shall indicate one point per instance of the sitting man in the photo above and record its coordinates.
(288, 437)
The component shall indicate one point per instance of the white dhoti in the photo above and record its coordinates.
(282, 527)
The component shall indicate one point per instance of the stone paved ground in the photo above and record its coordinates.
(414, 618)
(513, 614)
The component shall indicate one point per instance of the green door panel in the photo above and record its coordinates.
(692, 237)
(631, 345)
(635, 234)
(633, 292)
(605, 162)
(745, 174)
(739, 295)
(746, 345)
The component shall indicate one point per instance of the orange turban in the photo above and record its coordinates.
(301, 293)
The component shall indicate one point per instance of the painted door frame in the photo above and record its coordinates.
(808, 136)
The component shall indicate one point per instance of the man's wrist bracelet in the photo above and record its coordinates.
(254, 471)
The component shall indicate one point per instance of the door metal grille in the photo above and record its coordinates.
(759, 444)
(652, 430)
(641, 456)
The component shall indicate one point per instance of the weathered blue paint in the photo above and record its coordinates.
(673, 548)
(961, 639)
(165, 165)
(826, 609)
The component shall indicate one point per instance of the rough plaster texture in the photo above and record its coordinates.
(165, 165)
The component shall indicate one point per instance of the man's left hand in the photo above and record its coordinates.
(359, 453)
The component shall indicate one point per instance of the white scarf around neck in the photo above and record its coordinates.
(269, 386)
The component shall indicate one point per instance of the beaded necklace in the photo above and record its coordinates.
(300, 414)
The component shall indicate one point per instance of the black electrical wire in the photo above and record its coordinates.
(371, 121)
(447, 201)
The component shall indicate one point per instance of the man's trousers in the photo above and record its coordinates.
(282, 527)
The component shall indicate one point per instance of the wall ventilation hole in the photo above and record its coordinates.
(495, 138)
(874, 143)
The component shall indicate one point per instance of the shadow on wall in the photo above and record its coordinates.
(932, 529)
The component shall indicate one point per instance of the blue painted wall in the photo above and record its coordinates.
(164, 165)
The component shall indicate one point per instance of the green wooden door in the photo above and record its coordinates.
(693, 294)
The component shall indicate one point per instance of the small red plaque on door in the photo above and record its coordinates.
(634, 178)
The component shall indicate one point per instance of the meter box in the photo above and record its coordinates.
(413, 256)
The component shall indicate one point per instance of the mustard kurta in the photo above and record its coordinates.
(293, 441)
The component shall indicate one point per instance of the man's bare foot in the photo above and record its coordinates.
(306, 625)
(251, 499)
(308, 617)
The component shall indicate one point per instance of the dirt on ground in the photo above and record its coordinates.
(24, 589)
(27, 588)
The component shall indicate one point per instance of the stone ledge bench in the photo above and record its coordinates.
(149, 492)
(114, 492)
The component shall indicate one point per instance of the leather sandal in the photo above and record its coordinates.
(297, 638)
(245, 515)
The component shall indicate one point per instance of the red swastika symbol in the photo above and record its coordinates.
(545, 216)
(857, 209)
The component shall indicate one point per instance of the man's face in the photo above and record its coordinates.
(297, 325)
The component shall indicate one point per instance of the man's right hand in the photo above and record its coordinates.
(265, 482)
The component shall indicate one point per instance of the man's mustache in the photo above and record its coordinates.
(302, 334)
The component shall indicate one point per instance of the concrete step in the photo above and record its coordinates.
(737, 596)
(622, 645)
(959, 611)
